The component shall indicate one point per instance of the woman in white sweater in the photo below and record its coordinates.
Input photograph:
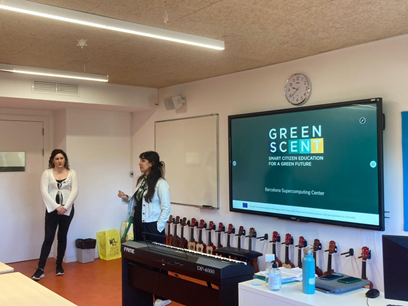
(59, 189)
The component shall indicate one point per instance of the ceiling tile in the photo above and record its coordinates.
(257, 33)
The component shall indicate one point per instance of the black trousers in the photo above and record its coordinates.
(52, 221)
(142, 230)
(148, 232)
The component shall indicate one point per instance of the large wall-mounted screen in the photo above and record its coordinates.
(314, 164)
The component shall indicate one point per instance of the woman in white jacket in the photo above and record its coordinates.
(59, 189)
(150, 202)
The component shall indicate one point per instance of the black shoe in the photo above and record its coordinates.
(39, 273)
(59, 270)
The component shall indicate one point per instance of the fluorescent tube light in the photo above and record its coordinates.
(66, 15)
(54, 73)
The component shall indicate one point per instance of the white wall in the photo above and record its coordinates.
(16, 91)
(60, 129)
(370, 70)
(98, 147)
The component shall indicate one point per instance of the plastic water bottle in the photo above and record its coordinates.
(308, 273)
(274, 275)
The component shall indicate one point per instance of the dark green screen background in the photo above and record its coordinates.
(345, 175)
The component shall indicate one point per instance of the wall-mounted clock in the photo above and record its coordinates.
(298, 89)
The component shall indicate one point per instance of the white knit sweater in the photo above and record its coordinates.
(49, 190)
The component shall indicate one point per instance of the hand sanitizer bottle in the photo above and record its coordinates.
(308, 273)
(274, 278)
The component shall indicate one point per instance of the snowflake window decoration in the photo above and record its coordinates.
(82, 43)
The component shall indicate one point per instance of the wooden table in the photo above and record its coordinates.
(5, 268)
(17, 289)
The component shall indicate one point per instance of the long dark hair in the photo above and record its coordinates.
(156, 172)
(55, 153)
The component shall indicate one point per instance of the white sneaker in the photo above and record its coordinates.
(159, 302)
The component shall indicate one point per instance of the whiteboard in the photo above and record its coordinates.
(189, 149)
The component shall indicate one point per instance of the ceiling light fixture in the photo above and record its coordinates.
(54, 73)
(53, 12)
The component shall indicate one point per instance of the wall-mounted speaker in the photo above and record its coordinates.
(174, 102)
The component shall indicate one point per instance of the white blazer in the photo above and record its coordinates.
(49, 190)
